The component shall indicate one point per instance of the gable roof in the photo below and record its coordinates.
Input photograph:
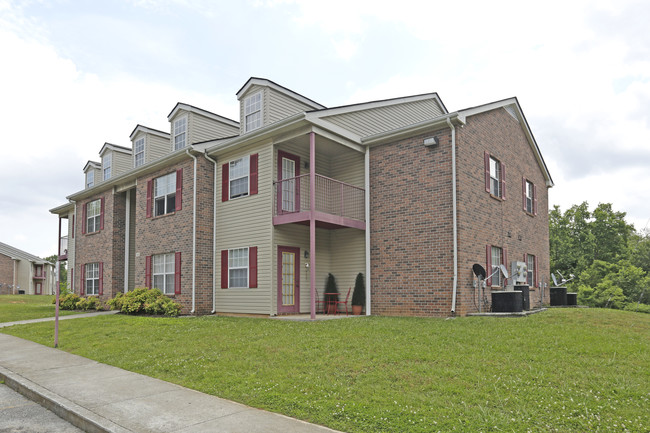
(92, 164)
(288, 92)
(147, 130)
(115, 148)
(201, 111)
(15, 253)
(514, 109)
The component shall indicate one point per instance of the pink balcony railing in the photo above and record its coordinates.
(332, 197)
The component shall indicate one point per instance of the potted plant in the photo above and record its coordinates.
(331, 294)
(359, 295)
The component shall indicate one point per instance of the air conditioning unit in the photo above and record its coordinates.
(519, 272)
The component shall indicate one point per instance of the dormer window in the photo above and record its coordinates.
(180, 132)
(253, 112)
(90, 179)
(106, 163)
(138, 152)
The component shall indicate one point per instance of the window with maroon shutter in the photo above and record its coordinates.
(84, 214)
(253, 173)
(101, 278)
(495, 176)
(225, 175)
(101, 214)
(252, 267)
(179, 189)
(530, 197)
(177, 273)
(224, 269)
(495, 257)
(82, 280)
(93, 216)
(73, 227)
(164, 194)
(147, 272)
(149, 197)
(486, 157)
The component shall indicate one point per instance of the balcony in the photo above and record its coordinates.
(337, 204)
(39, 273)
(63, 248)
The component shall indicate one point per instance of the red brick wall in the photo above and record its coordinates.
(6, 274)
(172, 233)
(411, 215)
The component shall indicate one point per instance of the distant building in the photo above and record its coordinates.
(250, 216)
(24, 273)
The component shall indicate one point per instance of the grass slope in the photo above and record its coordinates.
(25, 307)
(561, 370)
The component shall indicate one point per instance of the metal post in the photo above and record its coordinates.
(312, 222)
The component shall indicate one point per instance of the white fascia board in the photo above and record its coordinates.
(114, 148)
(63, 209)
(527, 131)
(290, 93)
(378, 104)
(92, 164)
(146, 130)
(191, 109)
(416, 128)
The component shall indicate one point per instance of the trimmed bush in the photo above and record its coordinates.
(68, 302)
(90, 303)
(145, 301)
(359, 294)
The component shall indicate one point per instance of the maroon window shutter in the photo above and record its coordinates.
(253, 170)
(523, 193)
(101, 214)
(147, 272)
(225, 178)
(177, 273)
(252, 267)
(488, 261)
(83, 218)
(534, 199)
(224, 269)
(73, 227)
(503, 180)
(149, 194)
(179, 189)
(101, 278)
(82, 287)
(487, 172)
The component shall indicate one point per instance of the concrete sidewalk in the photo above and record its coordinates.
(99, 398)
(51, 319)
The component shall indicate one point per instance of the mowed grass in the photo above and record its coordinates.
(25, 307)
(561, 370)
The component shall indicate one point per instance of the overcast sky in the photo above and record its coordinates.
(76, 74)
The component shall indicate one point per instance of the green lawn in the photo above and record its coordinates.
(562, 370)
(24, 307)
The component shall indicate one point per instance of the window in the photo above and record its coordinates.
(180, 132)
(138, 152)
(253, 112)
(495, 177)
(238, 267)
(239, 171)
(531, 264)
(529, 196)
(90, 179)
(106, 162)
(496, 259)
(165, 194)
(91, 282)
(164, 273)
(93, 216)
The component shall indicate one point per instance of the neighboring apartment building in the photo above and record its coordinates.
(24, 273)
(251, 216)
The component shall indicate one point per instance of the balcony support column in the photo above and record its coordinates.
(312, 222)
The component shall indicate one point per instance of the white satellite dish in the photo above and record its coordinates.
(504, 271)
(554, 279)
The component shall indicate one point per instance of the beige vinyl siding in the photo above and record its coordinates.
(348, 167)
(376, 120)
(156, 147)
(302, 151)
(202, 128)
(247, 222)
(280, 106)
(348, 258)
(98, 176)
(122, 162)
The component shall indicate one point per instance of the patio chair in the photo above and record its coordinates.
(347, 298)
(320, 303)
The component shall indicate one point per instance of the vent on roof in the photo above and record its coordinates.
(512, 111)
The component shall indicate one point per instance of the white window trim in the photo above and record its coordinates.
(166, 290)
(107, 164)
(231, 178)
(167, 211)
(249, 112)
(91, 183)
(136, 153)
(247, 267)
(94, 267)
(174, 134)
(96, 217)
(529, 270)
(497, 266)
(530, 199)
(499, 174)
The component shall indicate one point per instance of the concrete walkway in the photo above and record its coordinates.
(99, 398)
(51, 319)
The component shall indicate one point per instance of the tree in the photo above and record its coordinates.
(639, 249)
(610, 233)
(63, 271)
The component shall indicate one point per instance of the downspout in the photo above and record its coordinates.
(454, 216)
(193, 236)
(367, 204)
(214, 233)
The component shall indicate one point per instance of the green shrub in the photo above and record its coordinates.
(89, 303)
(145, 301)
(640, 308)
(359, 294)
(68, 302)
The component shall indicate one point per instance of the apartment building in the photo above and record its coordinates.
(22, 273)
(250, 216)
